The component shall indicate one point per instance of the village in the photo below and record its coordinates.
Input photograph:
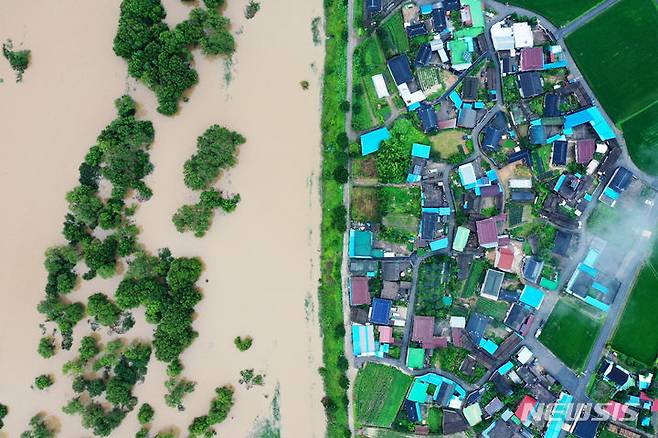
(496, 229)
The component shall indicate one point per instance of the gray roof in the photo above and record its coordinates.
(493, 281)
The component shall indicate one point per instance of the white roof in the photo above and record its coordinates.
(380, 86)
(522, 35)
(502, 37)
(519, 183)
(524, 355)
(592, 166)
(467, 173)
(514, 377)
(457, 322)
(601, 148)
(409, 97)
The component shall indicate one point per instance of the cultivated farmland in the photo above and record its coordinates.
(558, 12)
(641, 134)
(636, 334)
(378, 394)
(621, 70)
(570, 332)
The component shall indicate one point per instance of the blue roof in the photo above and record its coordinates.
(411, 178)
(456, 99)
(560, 153)
(492, 137)
(444, 211)
(371, 141)
(560, 411)
(596, 303)
(555, 138)
(439, 20)
(488, 345)
(559, 183)
(505, 368)
(537, 135)
(521, 155)
(556, 64)
(426, 9)
(588, 270)
(381, 311)
(532, 296)
(439, 244)
(416, 30)
(478, 105)
(551, 105)
(413, 106)
(420, 150)
(492, 175)
(592, 116)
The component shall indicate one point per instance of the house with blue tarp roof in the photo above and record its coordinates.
(447, 393)
(380, 312)
(531, 296)
(559, 416)
(488, 345)
(439, 244)
(363, 340)
(420, 150)
(371, 141)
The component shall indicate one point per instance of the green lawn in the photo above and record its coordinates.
(475, 276)
(435, 420)
(641, 134)
(378, 394)
(431, 287)
(494, 309)
(636, 335)
(401, 200)
(392, 36)
(558, 12)
(620, 70)
(570, 333)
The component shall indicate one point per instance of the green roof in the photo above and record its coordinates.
(416, 358)
(360, 243)
(548, 284)
(418, 392)
(461, 237)
(471, 32)
(477, 13)
(458, 50)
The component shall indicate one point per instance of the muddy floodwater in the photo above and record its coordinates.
(261, 261)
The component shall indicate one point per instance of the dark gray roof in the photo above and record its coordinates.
(453, 422)
(428, 118)
(400, 69)
(374, 5)
(516, 316)
(416, 29)
(492, 136)
(493, 280)
(467, 118)
(511, 296)
(560, 152)
(562, 242)
(424, 55)
(532, 269)
(530, 83)
(523, 195)
(439, 20)
(551, 105)
(429, 222)
(586, 428)
(470, 88)
(451, 5)
(476, 325)
(621, 180)
(521, 155)
(502, 385)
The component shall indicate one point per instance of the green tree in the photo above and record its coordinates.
(38, 428)
(177, 390)
(85, 205)
(145, 414)
(18, 59)
(43, 381)
(46, 347)
(103, 309)
(88, 348)
(243, 344)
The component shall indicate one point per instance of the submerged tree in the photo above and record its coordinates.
(18, 59)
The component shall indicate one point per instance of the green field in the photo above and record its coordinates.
(641, 134)
(558, 12)
(392, 36)
(378, 394)
(494, 309)
(636, 335)
(620, 70)
(570, 332)
(472, 284)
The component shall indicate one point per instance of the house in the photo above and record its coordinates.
(400, 69)
(492, 136)
(502, 385)
(417, 29)
(424, 55)
(391, 270)
(537, 135)
(522, 35)
(360, 244)
(385, 334)
(522, 155)
(525, 409)
(518, 317)
(451, 5)
(476, 325)
(467, 118)
(374, 6)
(363, 340)
(619, 182)
(586, 428)
(522, 196)
(532, 269)
(371, 141)
(510, 296)
(461, 238)
(380, 86)
(585, 150)
(487, 231)
(494, 406)
(532, 58)
(439, 20)
(470, 88)
(530, 83)
(467, 175)
(359, 292)
(502, 37)
(473, 414)
(504, 258)
(453, 422)
(493, 281)
(615, 374)
(429, 223)
(380, 313)
(562, 242)
(423, 328)
(531, 296)
(551, 105)
(594, 117)
(559, 153)
(520, 183)
(428, 118)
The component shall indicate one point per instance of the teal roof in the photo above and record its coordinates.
(360, 244)
(420, 150)
(596, 304)
(439, 244)
(488, 345)
(532, 296)
(560, 411)
(505, 368)
(371, 141)
(415, 358)
(418, 392)
(593, 116)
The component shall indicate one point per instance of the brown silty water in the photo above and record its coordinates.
(260, 262)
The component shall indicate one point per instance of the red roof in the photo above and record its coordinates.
(457, 337)
(585, 151)
(644, 396)
(422, 430)
(505, 258)
(654, 406)
(447, 124)
(359, 292)
(436, 342)
(487, 231)
(525, 408)
(423, 328)
(532, 58)
(385, 334)
(617, 410)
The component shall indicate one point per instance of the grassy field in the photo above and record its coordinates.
(401, 200)
(392, 36)
(448, 143)
(620, 70)
(330, 294)
(365, 203)
(641, 134)
(431, 286)
(475, 276)
(435, 420)
(558, 12)
(378, 394)
(494, 309)
(636, 335)
(570, 333)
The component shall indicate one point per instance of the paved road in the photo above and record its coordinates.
(585, 18)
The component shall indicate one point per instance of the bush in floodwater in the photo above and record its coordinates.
(243, 344)
(251, 9)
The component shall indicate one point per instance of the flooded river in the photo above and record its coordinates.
(261, 261)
